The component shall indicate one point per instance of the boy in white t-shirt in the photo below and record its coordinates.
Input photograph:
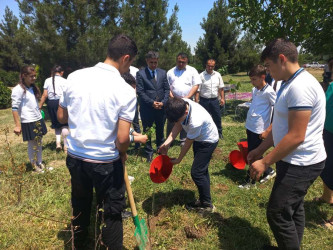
(259, 118)
(202, 133)
(299, 152)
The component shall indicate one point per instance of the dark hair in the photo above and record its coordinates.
(257, 70)
(129, 78)
(27, 70)
(152, 54)
(182, 55)
(280, 46)
(175, 108)
(121, 45)
(54, 70)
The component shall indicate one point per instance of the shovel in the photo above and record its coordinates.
(141, 230)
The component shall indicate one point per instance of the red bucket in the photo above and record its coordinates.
(160, 169)
(236, 159)
(243, 148)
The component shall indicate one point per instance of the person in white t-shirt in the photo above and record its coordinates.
(202, 133)
(184, 81)
(53, 88)
(258, 118)
(27, 116)
(99, 107)
(297, 135)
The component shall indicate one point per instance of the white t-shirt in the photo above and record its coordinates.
(199, 124)
(25, 104)
(182, 81)
(133, 71)
(210, 84)
(259, 115)
(96, 98)
(59, 86)
(303, 93)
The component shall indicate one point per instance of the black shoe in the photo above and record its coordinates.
(200, 207)
(126, 214)
(221, 137)
(80, 237)
(149, 158)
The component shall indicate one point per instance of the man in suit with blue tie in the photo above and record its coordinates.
(153, 91)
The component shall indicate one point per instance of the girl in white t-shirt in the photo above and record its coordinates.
(27, 117)
(53, 89)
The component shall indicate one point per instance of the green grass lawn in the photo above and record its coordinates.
(35, 208)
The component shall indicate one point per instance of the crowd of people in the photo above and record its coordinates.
(287, 114)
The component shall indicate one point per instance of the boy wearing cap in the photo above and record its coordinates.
(202, 133)
(259, 118)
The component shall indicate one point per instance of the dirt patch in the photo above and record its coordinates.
(195, 232)
(221, 188)
(162, 219)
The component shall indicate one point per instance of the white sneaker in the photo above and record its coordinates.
(271, 175)
(247, 185)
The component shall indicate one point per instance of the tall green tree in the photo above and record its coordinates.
(147, 23)
(305, 22)
(15, 43)
(249, 52)
(220, 38)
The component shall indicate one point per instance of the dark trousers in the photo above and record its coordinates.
(202, 154)
(285, 211)
(108, 181)
(136, 124)
(182, 135)
(212, 105)
(149, 117)
(253, 141)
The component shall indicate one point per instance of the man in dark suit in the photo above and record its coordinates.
(153, 92)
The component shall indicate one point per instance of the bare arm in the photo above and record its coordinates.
(297, 123)
(222, 100)
(264, 134)
(123, 141)
(17, 129)
(43, 99)
(174, 132)
(197, 96)
(193, 90)
(62, 115)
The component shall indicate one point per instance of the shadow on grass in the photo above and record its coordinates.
(167, 200)
(237, 233)
(315, 213)
(237, 176)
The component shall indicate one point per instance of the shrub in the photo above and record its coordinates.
(5, 96)
(9, 78)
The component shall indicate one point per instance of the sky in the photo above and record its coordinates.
(190, 14)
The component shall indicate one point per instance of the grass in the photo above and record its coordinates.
(41, 220)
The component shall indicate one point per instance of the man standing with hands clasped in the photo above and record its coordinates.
(153, 91)
(211, 93)
(299, 153)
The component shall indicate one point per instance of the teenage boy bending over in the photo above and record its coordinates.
(202, 133)
(297, 134)
(259, 118)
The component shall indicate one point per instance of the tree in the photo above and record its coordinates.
(14, 43)
(249, 52)
(220, 38)
(307, 23)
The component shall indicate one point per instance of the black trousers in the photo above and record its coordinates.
(212, 105)
(253, 141)
(285, 211)
(202, 154)
(108, 181)
(149, 117)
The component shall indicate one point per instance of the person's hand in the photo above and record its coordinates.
(142, 138)
(175, 161)
(222, 102)
(163, 150)
(155, 105)
(257, 168)
(17, 130)
(263, 135)
(160, 105)
(252, 156)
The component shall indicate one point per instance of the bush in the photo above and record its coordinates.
(9, 78)
(5, 96)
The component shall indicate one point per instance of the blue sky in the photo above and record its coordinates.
(190, 15)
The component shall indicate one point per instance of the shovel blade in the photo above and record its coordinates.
(141, 234)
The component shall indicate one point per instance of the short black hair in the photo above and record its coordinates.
(280, 46)
(129, 78)
(175, 108)
(152, 54)
(257, 70)
(182, 55)
(121, 45)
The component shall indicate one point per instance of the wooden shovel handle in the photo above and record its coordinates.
(129, 193)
